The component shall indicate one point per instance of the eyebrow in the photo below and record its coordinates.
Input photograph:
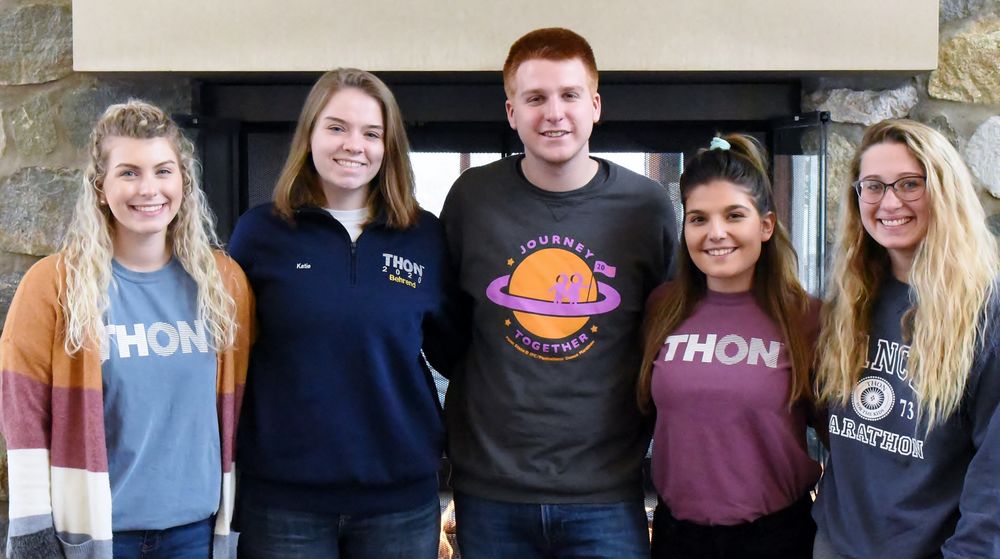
(340, 120)
(543, 91)
(903, 175)
(726, 209)
(160, 164)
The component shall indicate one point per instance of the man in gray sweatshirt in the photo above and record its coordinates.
(557, 252)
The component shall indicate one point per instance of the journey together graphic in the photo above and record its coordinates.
(553, 293)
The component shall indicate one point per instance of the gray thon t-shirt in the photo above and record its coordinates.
(161, 423)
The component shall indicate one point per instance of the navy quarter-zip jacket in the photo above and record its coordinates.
(341, 415)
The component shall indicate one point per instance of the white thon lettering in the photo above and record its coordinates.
(197, 336)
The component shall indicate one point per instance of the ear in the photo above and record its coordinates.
(767, 224)
(509, 107)
(597, 107)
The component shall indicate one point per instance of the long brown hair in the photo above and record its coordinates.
(776, 287)
(392, 188)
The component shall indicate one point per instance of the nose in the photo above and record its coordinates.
(554, 110)
(716, 230)
(890, 200)
(147, 186)
(352, 143)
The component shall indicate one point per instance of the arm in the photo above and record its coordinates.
(231, 380)
(447, 332)
(446, 329)
(26, 348)
(978, 530)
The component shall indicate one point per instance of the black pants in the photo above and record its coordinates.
(786, 534)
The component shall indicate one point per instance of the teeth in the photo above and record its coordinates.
(346, 163)
(894, 222)
(555, 133)
(720, 251)
(148, 209)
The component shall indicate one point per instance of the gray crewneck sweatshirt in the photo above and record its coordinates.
(543, 407)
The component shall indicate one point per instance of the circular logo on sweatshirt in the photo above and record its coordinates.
(553, 294)
(873, 398)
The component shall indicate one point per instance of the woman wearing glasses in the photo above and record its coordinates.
(910, 363)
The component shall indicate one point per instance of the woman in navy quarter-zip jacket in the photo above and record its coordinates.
(341, 435)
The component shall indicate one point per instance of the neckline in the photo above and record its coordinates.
(133, 276)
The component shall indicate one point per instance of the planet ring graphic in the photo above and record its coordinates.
(495, 292)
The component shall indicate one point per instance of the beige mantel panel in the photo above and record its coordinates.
(454, 35)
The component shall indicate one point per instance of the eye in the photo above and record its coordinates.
(872, 186)
(373, 135)
(911, 183)
(695, 219)
(335, 128)
(736, 215)
(127, 173)
(572, 95)
(534, 99)
(165, 171)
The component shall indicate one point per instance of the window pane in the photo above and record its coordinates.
(436, 172)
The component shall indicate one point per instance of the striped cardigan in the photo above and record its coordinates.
(52, 415)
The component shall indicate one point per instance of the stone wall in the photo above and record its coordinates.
(961, 98)
(46, 111)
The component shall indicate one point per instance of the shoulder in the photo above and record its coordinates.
(37, 294)
(43, 278)
(427, 232)
(643, 191)
(257, 215)
(660, 293)
(231, 273)
(991, 322)
(485, 176)
(628, 178)
(426, 219)
(478, 188)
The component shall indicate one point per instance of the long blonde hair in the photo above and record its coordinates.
(775, 287)
(952, 279)
(87, 249)
(392, 189)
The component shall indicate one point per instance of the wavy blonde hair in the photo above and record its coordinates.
(775, 287)
(952, 278)
(88, 248)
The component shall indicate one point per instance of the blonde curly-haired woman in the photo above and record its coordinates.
(123, 360)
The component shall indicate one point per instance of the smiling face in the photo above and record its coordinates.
(143, 187)
(724, 234)
(897, 225)
(554, 110)
(347, 147)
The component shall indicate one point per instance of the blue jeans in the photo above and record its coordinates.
(190, 541)
(497, 530)
(274, 533)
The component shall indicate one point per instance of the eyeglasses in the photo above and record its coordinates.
(908, 189)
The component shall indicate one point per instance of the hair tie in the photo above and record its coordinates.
(719, 143)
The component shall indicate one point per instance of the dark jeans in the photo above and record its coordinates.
(786, 534)
(823, 549)
(273, 533)
(190, 541)
(498, 530)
